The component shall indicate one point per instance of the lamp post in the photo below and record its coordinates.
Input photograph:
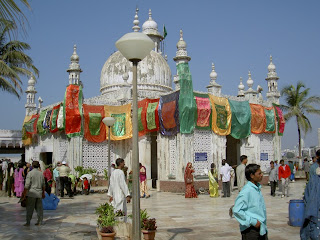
(135, 46)
(109, 121)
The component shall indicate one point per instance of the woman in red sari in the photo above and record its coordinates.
(188, 180)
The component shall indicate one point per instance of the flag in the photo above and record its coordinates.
(258, 119)
(169, 114)
(40, 129)
(241, 119)
(148, 119)
(204, 117)
(164, 32)
(270, 119)
(73, 111)
(280, 119)
(53, 119)
(187, 104)
(94, 128)
(221, 115)
(26, 137)
(122, 128)
(31, 125)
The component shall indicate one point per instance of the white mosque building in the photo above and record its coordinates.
(165, 157)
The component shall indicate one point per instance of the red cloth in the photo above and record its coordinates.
(188, 180)
(284, 171)
(143, 174)
(47, 174)
(86, 184)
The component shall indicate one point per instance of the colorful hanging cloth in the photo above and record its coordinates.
(41, 131)
(53, 119)
(280, 119)
(46, 121)
(26, 137)
(187, 104)
(258, 119)
(241, 119)
(31, 125)
(122, 128)
(148, 119)
(60, 120)
(73, 111)
(169, 114)
(221, 115)
(270, 120)
(94, 128)
(204, 116)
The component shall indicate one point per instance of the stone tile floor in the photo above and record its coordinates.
(177, 218)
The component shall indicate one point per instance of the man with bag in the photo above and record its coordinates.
(34, 191)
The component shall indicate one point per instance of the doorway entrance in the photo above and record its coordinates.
(154, 159)
(46, 157)
(233, 151)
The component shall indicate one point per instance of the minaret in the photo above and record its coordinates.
(241, 88)
(250, 92)
(181, 57)
(136, 22)
(31, 92)
(214, 88)
(74, 68)
(273, 94)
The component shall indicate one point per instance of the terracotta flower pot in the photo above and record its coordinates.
(149, 234)
(106, 236)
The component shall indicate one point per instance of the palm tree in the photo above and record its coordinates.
(298, 104)
(10, 11)
(13, 61)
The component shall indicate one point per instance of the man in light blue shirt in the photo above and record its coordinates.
(56, 178)
(249, 208)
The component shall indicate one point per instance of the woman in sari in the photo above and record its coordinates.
(188, 180)
(213, 181)
(18, 180)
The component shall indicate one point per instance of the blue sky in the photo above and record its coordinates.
(236, 35)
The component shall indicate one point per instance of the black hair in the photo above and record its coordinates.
(272, 162)
(212, 167)
(223, 162)
(318, 153)
(251, 169)
(243, 157)
(35, 164)
(119, 161)
(281, 161)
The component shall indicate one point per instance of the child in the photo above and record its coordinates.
(272, 178)
(86, 186)
(249, 208)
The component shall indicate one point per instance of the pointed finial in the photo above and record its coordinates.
(150, 14)
(250, 81)
(241, 88)
(213, 74)
(136, 22)
(181, 34)
(75, 49)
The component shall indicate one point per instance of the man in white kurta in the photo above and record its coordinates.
(118, 189)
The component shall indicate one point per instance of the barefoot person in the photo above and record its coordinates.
(249, 208)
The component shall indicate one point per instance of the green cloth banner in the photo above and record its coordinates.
(119, 128)
(140, 125)
(41, 130)
(94, 123)
(241, 119)
(270, 127)
(187, 104)
(151, 117)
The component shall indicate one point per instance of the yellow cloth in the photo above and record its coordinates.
(223, 102)
(213, 185)
(26, 138)
(119, 112)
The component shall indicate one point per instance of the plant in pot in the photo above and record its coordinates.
(120, 215)
(148, 225)
(106, 221)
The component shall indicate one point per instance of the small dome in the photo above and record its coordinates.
(271, 66)
(150, 26)
(74, 57)
(213, 74)
(31, 81)
(181, 43)
(241, 86)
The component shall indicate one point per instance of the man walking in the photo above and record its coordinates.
(118, 189)
(56, 178)
(249, 208)
(241, 177)
(34, 190)
(272, 178)
(306, 167)
(284, 174)
(64, 171)
(225, 178)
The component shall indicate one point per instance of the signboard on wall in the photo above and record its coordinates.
(264, 157)
(200, 157)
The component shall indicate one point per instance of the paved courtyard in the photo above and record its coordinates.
(177, 218)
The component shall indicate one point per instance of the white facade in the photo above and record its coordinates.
(165, 157)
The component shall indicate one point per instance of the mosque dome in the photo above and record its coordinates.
(271, 66)
(150, 26)
(154, 73)
(31, 81)
(181, 44)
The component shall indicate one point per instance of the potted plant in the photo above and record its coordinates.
(106, 221)
(148, 225)
(119, 216)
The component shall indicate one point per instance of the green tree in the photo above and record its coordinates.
(298, 105)
(14, 63)
(10, 11)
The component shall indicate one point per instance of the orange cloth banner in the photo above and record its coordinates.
(26, 137)
(258, 119)
(122, 128)
(94, 128)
